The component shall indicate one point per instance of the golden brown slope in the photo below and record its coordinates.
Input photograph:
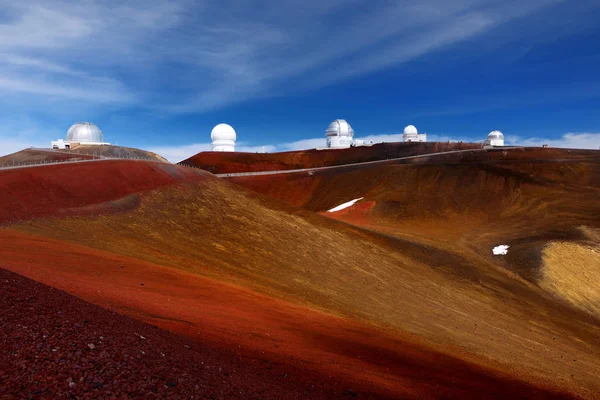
(524, 198)
(80, 152)
(275, 337)
(37, 156)
(117, 152)
(467, 307)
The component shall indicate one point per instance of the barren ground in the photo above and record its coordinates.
(401, 297)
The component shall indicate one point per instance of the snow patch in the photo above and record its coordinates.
(500, 250)
(345, 205)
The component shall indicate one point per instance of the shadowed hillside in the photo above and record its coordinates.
(425, 282)
(326, 188)
(224, 162)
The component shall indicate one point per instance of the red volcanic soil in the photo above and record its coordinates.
(418, 311)
(245, 345)
(57, 189)
(55, 345)
(225, 162)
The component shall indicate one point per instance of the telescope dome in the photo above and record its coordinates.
(84, 132)
(339, 127)
(223, 132)
(495, 135)
(223, 138)
(410, 130)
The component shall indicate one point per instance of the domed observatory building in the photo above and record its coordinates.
(82, 133)
(339, 134)
(223, 138)
(495, 138)
(412, 135)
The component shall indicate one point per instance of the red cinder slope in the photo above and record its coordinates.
(57, 346)
(293, 351)
(54, 189)
(189, 243)
(225, 162)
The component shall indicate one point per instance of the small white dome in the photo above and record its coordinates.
(339, 127)
(223, 132)
(84, 132)
(410, 130)
(495, 135)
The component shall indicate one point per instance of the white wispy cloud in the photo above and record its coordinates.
(190, 56)
(9, 146)
(179, 153)
(21, 132)
(567, 141)
(302, 144)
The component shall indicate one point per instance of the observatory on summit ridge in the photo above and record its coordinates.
(80, 133)
(223, 138)
(412, 135)
(495, 138)
(339, 134)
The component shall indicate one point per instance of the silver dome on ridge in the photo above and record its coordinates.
(339, 127)
(85, 132)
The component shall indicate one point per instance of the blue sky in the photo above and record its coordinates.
(160, 75)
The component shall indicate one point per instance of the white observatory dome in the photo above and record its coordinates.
(495, 135)
(339, 127)
(223, 138)
(339, 134)
(495, 138)
(84, 132)
(410, 130)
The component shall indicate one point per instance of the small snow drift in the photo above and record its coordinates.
(345, 205)
(500, 250)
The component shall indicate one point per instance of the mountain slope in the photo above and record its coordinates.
(452, 301)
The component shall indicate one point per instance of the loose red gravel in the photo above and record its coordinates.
(54, 345)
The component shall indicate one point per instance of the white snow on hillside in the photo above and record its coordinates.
(501, 250)
(345, 205)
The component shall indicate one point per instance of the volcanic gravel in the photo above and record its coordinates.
(54, 345)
